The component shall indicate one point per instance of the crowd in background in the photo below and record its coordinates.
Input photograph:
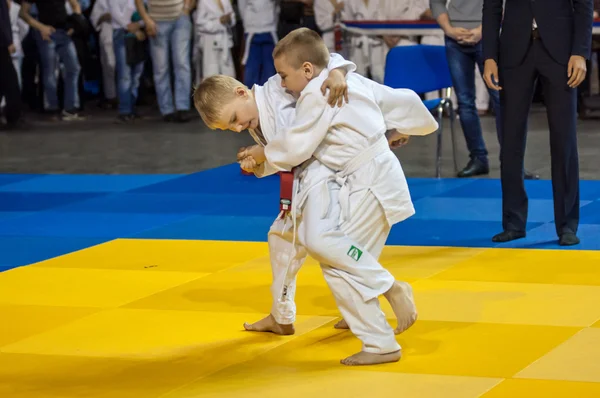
(128, 52)
(65, 52)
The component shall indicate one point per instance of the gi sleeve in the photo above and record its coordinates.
(402, 109)
(336, 61)
(295, 144)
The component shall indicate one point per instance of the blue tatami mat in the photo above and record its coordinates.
(43, 216)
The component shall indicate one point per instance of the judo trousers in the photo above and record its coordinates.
(216, 60)
(348, 254)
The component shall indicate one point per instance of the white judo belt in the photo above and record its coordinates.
(380, 147)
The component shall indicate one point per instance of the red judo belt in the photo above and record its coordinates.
(286, 190)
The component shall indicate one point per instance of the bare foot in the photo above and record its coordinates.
(402, 301)
(341, 325)
(268, 324)
(369, 358)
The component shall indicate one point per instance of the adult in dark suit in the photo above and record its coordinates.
(548, 40)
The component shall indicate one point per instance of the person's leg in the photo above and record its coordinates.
(561, 104)
(287, 257)
(461, 61)
(253, 62)
(159, 51)
(123, 74)
(136, 75)
(378, 56)
(108, 63)
(181, 41)
(267, 69)
(68, 56)
(228, 67)
(210, 59)
(9, 88)
(17, 63)
(353, 274)
(515, 100)
(47, 50)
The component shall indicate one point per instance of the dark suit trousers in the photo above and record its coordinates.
(561, 103)
(9, 87)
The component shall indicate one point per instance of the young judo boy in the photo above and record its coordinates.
(237, 117)
(225, 103)
(357, 175)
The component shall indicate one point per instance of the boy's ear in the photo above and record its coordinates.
(308, 69)
(240, 91)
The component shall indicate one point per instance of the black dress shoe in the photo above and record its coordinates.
(170, 118)
(507, 236)
(182, 117)
(475, 167)
(530, 176)
(568, 239)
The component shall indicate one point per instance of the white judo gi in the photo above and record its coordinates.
(325, 19)
(216, 39)
(19, 29)
(367, 52)
(108, 60)
(347, 198)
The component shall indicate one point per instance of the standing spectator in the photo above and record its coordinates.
(214, 21)
(169, 26)
(128, 44)
(102, 22)
(367, 52)
(260, 28)
(461, 23)
(326, 12)
(53, 38)
(19, 31)
(9, 85)
(549, 41)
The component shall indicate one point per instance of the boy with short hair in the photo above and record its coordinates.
(355, 275)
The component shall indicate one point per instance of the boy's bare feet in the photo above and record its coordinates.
(368, 358)
(341, 325)
(402, 301)
(268, 324)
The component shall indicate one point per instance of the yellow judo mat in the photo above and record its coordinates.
(163, 318)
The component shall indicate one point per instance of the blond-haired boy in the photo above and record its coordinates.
(347, 165)
(227, 104)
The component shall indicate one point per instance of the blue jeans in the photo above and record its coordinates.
(61, 45)
(462, 61)
(174, 38)
(128, 77)
(259, 65)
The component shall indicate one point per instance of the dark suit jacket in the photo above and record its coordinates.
(565, 27)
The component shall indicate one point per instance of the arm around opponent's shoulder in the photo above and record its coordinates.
(583, 24)
(298, 142)
(490, 26)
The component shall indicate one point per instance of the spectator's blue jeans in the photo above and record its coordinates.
(128, 77)
(172, 38)
(462, 61)
(61, 45)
